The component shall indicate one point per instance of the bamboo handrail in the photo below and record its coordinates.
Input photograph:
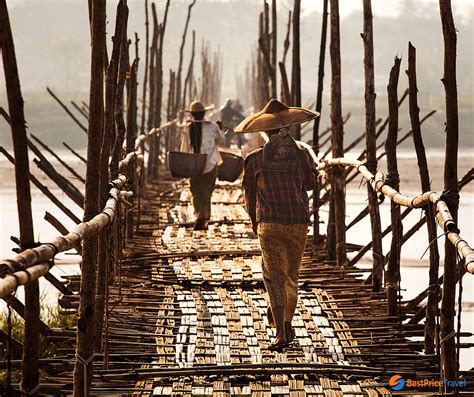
(34, 263)
(443, 214)
(34, 260)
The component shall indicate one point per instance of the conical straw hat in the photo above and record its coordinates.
(275, 115)
(198, 106)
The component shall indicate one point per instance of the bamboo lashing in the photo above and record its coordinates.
(32, 263)
(443, 214)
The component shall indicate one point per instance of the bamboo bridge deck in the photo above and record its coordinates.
(188, 316)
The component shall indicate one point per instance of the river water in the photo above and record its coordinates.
(414, 272)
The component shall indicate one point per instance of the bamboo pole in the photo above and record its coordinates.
(66, 109)
(189, 75)
(63, 163)
(74, 152)
(296, 63)
(111, 79)
(130, 139)
(273, 46)
(145, 78)
(319, 104)
(29, 368)
(449, 361)
(119, 118)
(337, 242)
(393, 267)
(86, 323)
(367, 37)
(432, 307)
(178, 100)
(80, 110)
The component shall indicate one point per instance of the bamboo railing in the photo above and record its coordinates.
(34, 263)
(443, 215)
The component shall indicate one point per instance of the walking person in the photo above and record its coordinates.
(276, 179)
(201, 136)
(230, 118)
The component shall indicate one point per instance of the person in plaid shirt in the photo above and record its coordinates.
(276, 180)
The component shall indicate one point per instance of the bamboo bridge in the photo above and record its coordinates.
(163, 310)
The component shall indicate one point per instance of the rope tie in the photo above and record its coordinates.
(392, 179)
(451, 198)
(53, 246)
(85, 364)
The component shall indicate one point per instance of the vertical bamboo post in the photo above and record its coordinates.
(189, 75)
(105, 176)
(130, 140)
(87, 315)
(153, 78)
(319, 100)
(159, 90)
(145, 77)
(451, 191)
(393, 179)
(178, 100)
(274, 44)
(368, 39)
(432, 306)
(338, 185)
(285, 89)
(296, 64)
(119, 120)
(29, 367)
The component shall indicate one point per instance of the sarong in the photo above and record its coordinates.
(202, 187)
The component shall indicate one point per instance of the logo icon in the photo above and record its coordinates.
(396, 382)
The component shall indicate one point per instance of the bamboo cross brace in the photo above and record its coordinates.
(443, 214)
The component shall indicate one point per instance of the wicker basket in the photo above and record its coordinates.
(231, 167)
(186, 165)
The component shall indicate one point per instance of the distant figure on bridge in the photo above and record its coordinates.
(276, 179)
(230, 118)
(201, 136)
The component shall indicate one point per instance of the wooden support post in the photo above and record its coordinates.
(296, 64)
(130, 141)
(393, 180)
(145, 78)
(338, 186)
(119, 119)
(449, 361)
(86, 323)
(273, 46)
(29, 368)
(111, 78)
(367, 37)
(178, 95)
(432, 307)
(319, 104)
(189, 75)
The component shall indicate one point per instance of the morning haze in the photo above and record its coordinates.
(53, 49)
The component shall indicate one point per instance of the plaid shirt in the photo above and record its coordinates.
(278, 196)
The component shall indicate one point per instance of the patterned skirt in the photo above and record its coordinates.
(282, 251)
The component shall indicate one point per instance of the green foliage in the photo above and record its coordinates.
(53, 318)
